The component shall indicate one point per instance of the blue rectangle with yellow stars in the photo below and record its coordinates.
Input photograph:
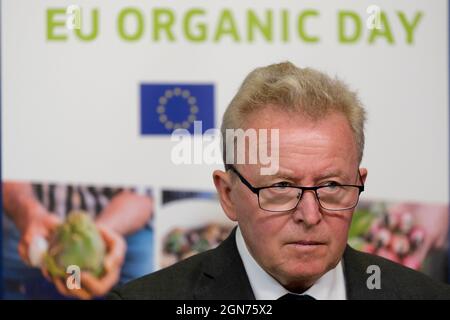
(166, 107)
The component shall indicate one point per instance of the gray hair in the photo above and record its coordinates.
(304, 91)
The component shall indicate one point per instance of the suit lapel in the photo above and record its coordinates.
(356, 276)
(223, 274)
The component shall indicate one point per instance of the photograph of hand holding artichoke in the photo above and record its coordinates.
(50, 230)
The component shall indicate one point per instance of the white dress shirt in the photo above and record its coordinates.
(331, 286)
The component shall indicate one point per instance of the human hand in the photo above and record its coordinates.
(432, 219)
(90, 286)
(39, 224)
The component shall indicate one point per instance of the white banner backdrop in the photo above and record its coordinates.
(71, 107)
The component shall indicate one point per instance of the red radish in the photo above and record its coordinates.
(392, 221)
(368, 247)
(383, 237)
(416, 236)
(374, 228)
(388, 254)
(400, 244)
(412, 263)
(406, 222)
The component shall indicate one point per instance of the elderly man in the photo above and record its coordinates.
(291, 239)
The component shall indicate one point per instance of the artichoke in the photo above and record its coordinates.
(75, 242)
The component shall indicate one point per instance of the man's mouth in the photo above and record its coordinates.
(308, 243)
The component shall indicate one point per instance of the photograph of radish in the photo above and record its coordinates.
(405, 233)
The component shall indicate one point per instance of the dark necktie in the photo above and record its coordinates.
(297, 297)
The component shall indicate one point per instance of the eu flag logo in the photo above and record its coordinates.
(166, 107)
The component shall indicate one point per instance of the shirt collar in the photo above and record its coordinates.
(331, 286)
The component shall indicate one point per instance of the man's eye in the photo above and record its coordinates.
(282, 184)
(331, 185)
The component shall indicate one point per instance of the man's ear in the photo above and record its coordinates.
(223, 183)
(363, 173)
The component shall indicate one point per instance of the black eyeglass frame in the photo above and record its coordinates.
(256, 191)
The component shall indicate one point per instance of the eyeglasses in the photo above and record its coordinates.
(279, 198)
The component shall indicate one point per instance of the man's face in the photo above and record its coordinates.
(296, 247)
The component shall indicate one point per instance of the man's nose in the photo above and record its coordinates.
(308, 210)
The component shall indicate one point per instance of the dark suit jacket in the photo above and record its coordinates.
(219, 274)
